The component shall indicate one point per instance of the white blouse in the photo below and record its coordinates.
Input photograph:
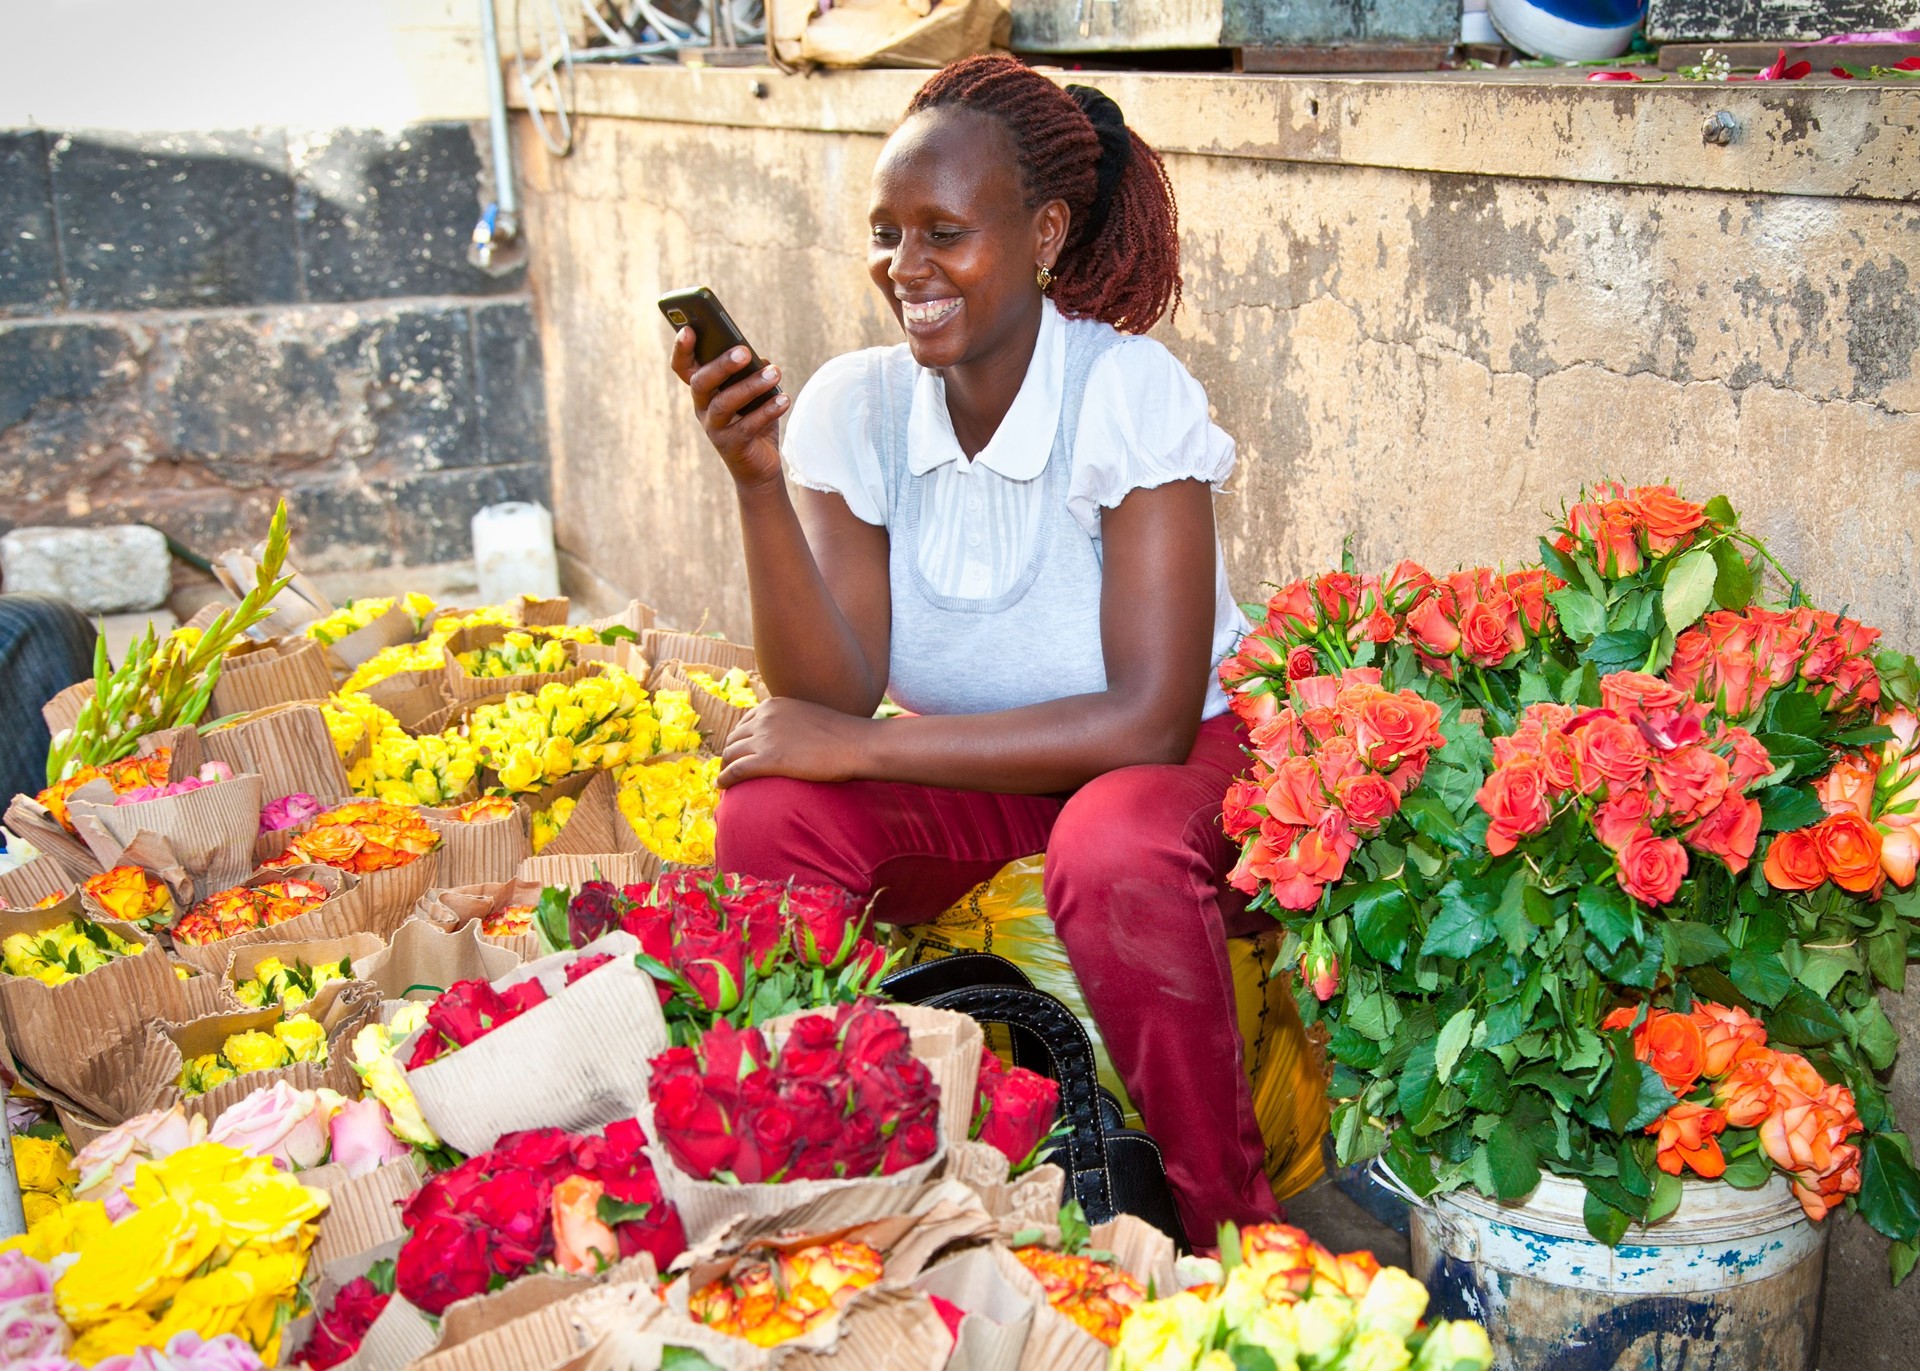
(1143, 422)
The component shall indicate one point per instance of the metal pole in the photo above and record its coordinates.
(505, 194)
(13, 1218)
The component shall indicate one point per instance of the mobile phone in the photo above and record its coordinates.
(714, 333)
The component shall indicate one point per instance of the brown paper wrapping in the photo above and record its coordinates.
(422, 960)
(205, 616)
(332, 918)
(1055, 1340)
(206, 833)
(950, 1045)
(718, 719)
(342, 1009)
(28, 818)
(62, 712)
(1030, 1200)
(32, 881)
(204, 992)
(289, 748)
(477, 853)
(453, 716)
(459, 686)
(661, 646)
(536, 611)
(578, 1061)
(389, 630)
(279, 671)
(60, 1033)
(596, 824)
(411, 697)
(469, 906)
(998, 1317)
(570, 871)
(363, 1213)
(628, 654)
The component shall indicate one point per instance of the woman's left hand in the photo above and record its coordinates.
(786, 737)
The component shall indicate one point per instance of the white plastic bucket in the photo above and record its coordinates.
(1731, 1278)
(513, 553)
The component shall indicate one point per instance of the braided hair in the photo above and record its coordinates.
(1121, 260)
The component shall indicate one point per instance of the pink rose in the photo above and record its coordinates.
(107, 1163)
(188, 1351)
(21, 1277)
(30, 1327)
(287, 811)
(363, 1138)
(280, 1122)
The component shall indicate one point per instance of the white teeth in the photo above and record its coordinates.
(927, 312)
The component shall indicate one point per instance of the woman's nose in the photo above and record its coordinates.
(907, 264)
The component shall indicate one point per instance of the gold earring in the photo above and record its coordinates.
(1043, 278)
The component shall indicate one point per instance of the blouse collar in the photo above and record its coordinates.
(1021, 445)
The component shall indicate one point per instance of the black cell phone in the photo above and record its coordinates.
(714, 333)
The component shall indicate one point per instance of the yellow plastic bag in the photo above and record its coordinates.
(1007, 916)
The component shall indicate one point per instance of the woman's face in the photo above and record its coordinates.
(953, 246)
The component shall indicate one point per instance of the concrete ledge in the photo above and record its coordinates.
(1818, 137)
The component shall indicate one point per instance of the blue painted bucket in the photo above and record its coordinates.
(1731, 1279)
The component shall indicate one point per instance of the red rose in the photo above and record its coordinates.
(1301, 663)
(1651, 868)
(1730, 832)
(817, 1112)
(812, 1048)
(714, 962)
(912, 1143)
(1622, 816)
(1236, 811)
(1018, 1110)
(1690, 783)
(593, 912)
(586, 966)
(513, 1209)
(1617, 545)
(1611, 750)
(870, 958)
(547, 1151)
(768, 1139)
(653, 926)
(338, 1334)
(1339, 595)
(732, 1053)
(1516, 802)
(859, 1149)
(692, 1125)
(872, 1035)
(827, 922)
(443, 1260)
(1749, 762)
(1429, 627)
(1369, 800)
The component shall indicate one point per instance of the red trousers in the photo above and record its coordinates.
(1136, 885)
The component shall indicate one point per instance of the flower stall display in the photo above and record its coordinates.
(669, 806)
(1281, 1299)
(733, 687)
(1015, 1112)
(295, 1038)
(786, 1295)
(64, 952)
(469, 1010)
(548, 822)
(519, 653)
(1510, 820)
(355, 615)
(1096, 1295)
(538, 1197)
(125, 776)
(214, 1243)
(530, 740)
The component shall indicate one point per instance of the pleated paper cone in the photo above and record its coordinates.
(1139, 1249)
(289, 747)
(389, 630)
(459, 686)
(662, 646)
(363, 1212)
(243, 962)
(476, 853)
(208, 832)
(412, 697)
(62, 712)
(343, 1009)
(999, 1317)
(27, 818)
(626, 653)
(718, 719)
(596, 824)
(280, 671)
(453, 908)
(571, 871)
(32, 881)
(332, 918)
(421, 961)
(57, 1030)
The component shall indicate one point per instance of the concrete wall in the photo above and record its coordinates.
(1427, 309)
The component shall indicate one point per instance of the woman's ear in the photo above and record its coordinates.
(1050, 224)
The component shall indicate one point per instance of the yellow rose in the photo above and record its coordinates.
(373, 1060)
(1374, 1349)
(119, 1336)
(259, 1209)
(67, 1229)
(38, 1207)
(42, 1164)
(303, 1037)
(1393, 1303)
(1322, 1325)
(144, 1254)
(256, 1051)
(1455, 1345)
(1163, 1335)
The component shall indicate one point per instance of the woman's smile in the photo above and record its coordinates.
(924, 317)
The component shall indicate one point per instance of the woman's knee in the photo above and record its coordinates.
(762, 827)
(1126, 834)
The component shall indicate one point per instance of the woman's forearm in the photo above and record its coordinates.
(1035, 750)
(805, 646)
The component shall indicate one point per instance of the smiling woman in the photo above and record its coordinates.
(1006, 525)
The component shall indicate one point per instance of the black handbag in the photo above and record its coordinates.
(1110, 1169)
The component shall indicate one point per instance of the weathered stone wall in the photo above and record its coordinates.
(1428, 310)
(194, 325)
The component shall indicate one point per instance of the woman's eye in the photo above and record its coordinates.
(945, 235)
(886, 236)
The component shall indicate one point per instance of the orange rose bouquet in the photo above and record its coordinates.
(362, 836)
(1490, 807)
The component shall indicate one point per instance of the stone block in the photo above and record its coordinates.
(508, 384)
(390, 213)
(29, 258)
(101, 570)
(168, 221)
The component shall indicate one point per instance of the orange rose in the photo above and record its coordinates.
(1668, 519)
(1622, 816)
(1369, 800)
(1687, 1139)
(1746, 1093)
(1625, 691)
(1730, 832)
(1516, 801)
(1491, 631)
(1651, 868)
(1805, 1137)
(1612, 750)
(130, 894)
(1429, 627)
(1673, 1046)
(1620, 1018)
(1690, 782)
(1291, 608)
(1391, 727)
(1295, 795)
(1724, 1030)
(1819, 1194)
(1900, 854)
(1849, 848)
(1794, 862)
(1617, 546)
(1301, 663)
(1848, 787)
(1749, 761)
(582, 1243)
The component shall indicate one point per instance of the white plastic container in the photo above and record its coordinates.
(1730, 1279)
(513, 552)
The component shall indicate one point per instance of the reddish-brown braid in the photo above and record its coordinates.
(1128, 272)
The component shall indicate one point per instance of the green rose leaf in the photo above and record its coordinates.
(1804, 755)
(1803, 1019)
(1748, 1172)
(1451, 1043)
(1759, 976)
(1607, 912)
(1607, 1224)
(1580, 614)
(1463, 926)
(1692, 944)
(1512, 1162)
(1623, 650)
(1785, 807)
(1688, 589)
(1666, 1197)
(1890, 1187)
(1732, 577)
(1887, 958)
(1382, 919)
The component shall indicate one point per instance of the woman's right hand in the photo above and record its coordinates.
(748, 443)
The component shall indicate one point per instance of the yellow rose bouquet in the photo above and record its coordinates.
(44, 1168)
(433, 769)
(532, 739)
(517, 654)
(373, 1048)
(291, 984)
(62, 953)
(297, 1038)
(349, 618)
(669, 805)
(132, 896)
(216, 1243)
(734, 688)
(549, 821)
(352, 718)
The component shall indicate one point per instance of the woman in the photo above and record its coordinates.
(1006, 524)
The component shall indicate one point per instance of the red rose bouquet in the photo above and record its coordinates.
(337, 1335)
(1622, 777)
(542, 1196)
(843, 1098)
(1014, 1110)
(729, 948)
(469, 1010)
